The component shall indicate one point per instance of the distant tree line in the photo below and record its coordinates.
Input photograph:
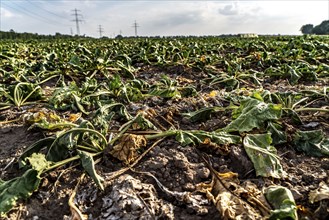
(321, 29)
(12, 35)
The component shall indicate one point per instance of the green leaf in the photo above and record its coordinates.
(278, 136)
(89, 165)
(282, 200)
(294, 116)
(166, 88)
(199, 115)
(39, 162)
(186, 138)
(313, 143)
(75, 61)
(218, 137)
(144, 123)
(198, 137)
(253, 113)
(294, 75)
(170, 92)
(59, 149)
(34, 148)
(188, 91)
(18, 188)
(263, 155)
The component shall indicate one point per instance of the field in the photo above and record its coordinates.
(165, 128)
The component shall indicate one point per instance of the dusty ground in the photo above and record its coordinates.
(179, 169)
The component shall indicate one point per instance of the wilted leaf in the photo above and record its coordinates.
(142, 123)
(46, 120)
(34, 148)
(88, 164)
(226, 194)
(18, 188)
(251, 114)
(166, 88)
(313, 143)
(126, 149)
(186, 138)
(199, 137)
(220, 137)
(320, 193)
(282, 200)
(187, 91)
(221, 149)
(59, 149)
(199, 115)
(278, 136)
(263, 155)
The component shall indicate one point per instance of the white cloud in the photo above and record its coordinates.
(169, 17)
(231, 9)
(6, 13)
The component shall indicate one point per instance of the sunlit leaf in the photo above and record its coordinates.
(253, 113)
(263, 155)
(282, 200)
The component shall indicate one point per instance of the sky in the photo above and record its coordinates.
(161, 17)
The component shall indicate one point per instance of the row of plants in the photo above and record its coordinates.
(99, 83)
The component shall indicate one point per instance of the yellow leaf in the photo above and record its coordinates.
(213, 93)
(74, 117)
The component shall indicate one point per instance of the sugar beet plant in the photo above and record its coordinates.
(99, 97)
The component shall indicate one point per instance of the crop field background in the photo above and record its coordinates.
(165, 128)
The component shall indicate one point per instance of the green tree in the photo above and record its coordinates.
(322, 28)
(307, 29)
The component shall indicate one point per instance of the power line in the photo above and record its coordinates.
(77, 20)
(50, 12)
(32, 14)
(135, 25)
(100, 30)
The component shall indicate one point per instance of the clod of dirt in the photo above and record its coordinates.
(132, 199)
(240, 162)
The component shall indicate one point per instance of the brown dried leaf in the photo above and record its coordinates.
(74, 117)
(126, 149)
(221, 149)
(181, 79)
(169, 116)
(76, 214)
(232, 200)
(320, 193)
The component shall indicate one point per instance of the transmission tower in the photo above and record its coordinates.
(100, 30)
(76, 19)
(135, 25)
